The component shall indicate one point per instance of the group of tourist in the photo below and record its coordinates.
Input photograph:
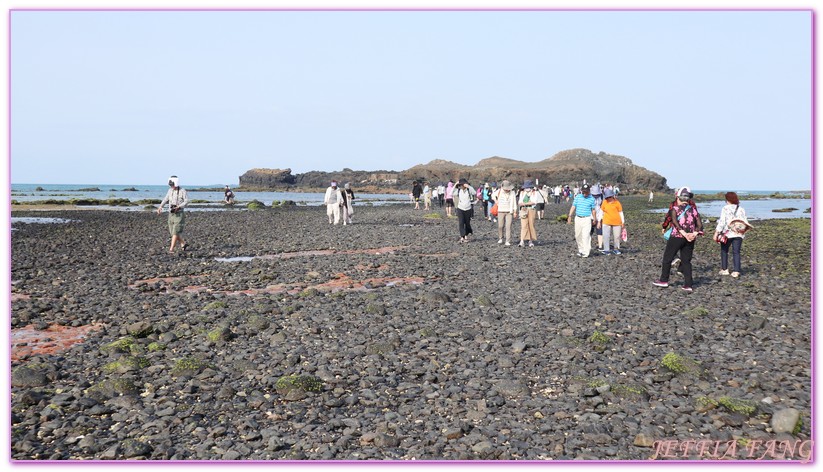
(594, 213)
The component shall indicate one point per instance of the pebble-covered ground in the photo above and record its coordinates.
(389, 339)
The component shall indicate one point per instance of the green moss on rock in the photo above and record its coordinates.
(188, 366)
(215, 306)
(126, 363)
(302, 382)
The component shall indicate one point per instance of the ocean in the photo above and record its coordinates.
(35, 192)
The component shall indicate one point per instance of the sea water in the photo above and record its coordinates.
(37, 192)
(757, 209)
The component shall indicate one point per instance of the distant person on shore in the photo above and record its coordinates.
(435, 194)
(731, 228)
(527, 207)
(612, 223)
(584, 213)
(416, 191)
(506, 210)
(449, 198)
(687, 226)
(651, 196)
(464, 197)
(557, 192)
(348, 195)
(228, 196)
(427, 196)
(334, 201)
(441, 194)
(177, 198)
(543, 198)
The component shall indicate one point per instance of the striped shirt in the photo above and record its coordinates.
(584, 205)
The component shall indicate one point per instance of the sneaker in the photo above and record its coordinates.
(616, 252)
(605, 253)
(584, 256)
(521, 244)
(531, 244)
(686, 288)
(724, 272)
(579, 254)
(735, 274)
(499, 241)
(660, 283)
(508, 244)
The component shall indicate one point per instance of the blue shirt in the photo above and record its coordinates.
(584, 205)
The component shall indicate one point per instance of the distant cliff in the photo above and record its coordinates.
(565, 167)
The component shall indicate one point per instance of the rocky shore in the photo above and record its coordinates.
(280, 337)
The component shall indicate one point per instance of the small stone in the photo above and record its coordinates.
(567, 332)
(453, 433)
(518, 347)
(643, 440)
(785, 420)
(141, 329)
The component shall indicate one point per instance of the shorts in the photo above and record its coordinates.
(540, 206)
(176, 223)
(450, 203)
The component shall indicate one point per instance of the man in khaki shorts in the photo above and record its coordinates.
(177, 199)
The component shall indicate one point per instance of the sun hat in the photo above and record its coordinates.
(685, 192)
(740, 225)
(608, 193)
(347, 186)
(506, 185)
(528, 184)
(463, 181)
(174, 181)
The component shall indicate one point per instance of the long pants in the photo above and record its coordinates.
(557, 199)
(686, 249)
(527, 231)
(583, 234)
(486, 206)
(504, 220)
(464, 221)
(735, 244)
(440, 199)
(333, 211)
(611, 230)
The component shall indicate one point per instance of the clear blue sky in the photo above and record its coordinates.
(714, 100)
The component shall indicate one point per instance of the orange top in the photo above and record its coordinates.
(611, 212)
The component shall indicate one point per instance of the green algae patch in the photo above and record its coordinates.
(306, 383)
(125, 345)
(680, 364)
(218, 305)
(188, 366)
(125, 364)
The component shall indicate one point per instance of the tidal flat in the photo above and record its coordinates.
(277, 336)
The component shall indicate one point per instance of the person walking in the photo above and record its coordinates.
(177, 198)
(348, 209)
(613, 222)
(583, 210)
(542, 195)
(449, 198)
(486, 195)
(557, 193)
(506, 211)
(651, 196)
(441, 194)
(416, 191)
(464, 196)
(731, 228)
(686, 227)
(334, 201)
(527, 207)
(597, 192)
(427, 196)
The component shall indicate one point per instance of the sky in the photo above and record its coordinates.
(710, 99)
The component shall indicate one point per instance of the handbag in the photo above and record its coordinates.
(624, 235)
(493, 211)
(668, 233)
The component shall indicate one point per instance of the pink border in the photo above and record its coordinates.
(378, 463)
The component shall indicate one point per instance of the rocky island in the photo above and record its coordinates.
(568, 166)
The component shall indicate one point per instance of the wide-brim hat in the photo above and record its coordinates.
(740, 225)
(608, 193)
(506, 185)
(528, 184)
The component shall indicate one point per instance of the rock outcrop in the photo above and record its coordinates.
(565, 167)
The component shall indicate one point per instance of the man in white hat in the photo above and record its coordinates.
(177, 198)
(334, 202)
